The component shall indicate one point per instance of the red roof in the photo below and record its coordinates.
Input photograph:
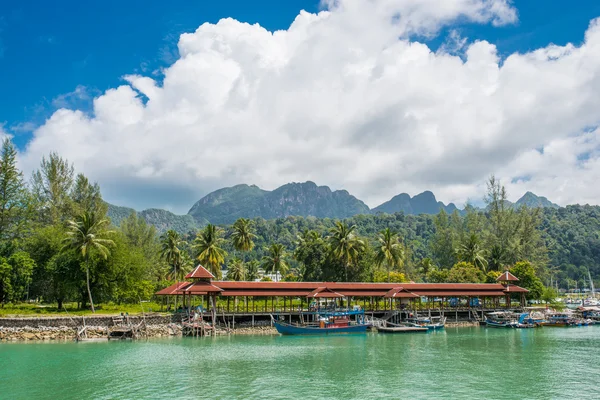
(389, 290)
(323, 292)
(362, 293)
(200, 288)
(399, 292)
(459, 294)
(507, 277)
(263, 293)
(515, 289)
(171, 290)
(200, 273)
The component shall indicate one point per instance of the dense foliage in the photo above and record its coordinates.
(57, 244)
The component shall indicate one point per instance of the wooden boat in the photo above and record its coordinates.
(329, 323)
(432, 324)
(500, 319)
(561, 320)
(527, 320)
(401, 329)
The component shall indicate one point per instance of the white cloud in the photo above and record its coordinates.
(348, 98)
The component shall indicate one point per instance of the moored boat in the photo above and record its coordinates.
(560, 320)
(432, 323)
(336, 322)
(501, 319)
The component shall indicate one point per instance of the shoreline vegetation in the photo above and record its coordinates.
(58, 249)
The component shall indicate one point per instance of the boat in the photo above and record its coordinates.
(431, 323)
(401, 329)
(561, 319)
(528, 320)
(501, 319)
(327, 323)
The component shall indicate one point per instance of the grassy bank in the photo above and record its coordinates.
(49, 310)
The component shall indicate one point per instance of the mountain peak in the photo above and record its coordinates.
(422, 203)
(226, 205)
(532, 200)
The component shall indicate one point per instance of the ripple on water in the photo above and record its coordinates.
(458, 363)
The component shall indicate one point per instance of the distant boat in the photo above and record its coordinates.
(501, 319)
(336, 322)
(560, 320)
(432, 323)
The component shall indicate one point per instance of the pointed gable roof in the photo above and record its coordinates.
(507, 277)
(200, 273)
(324, 292)
(399, 292)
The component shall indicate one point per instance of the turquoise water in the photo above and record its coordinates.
(468, 363)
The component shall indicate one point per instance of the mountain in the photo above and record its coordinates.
(423, 203)
(226, 205)
(163, 220)
(118, 213)
(532, 200)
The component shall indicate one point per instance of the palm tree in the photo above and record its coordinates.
(252, 270)
(170, 252)
(426, 265)
(243, 235)
(87, 234)
(471, 252)
(274, 261)
(236, 270)
(344, 244)
(208, 244)
(389, 251)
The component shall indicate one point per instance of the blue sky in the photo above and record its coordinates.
(67, 53)
(48, 51)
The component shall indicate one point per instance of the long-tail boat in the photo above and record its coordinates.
(326, 323)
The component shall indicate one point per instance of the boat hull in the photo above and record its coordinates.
(493, 324)
(287, 329)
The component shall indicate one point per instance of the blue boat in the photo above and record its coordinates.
(501, 319)
(432, 324)
(327, 323)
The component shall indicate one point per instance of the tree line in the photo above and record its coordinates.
(57, 245)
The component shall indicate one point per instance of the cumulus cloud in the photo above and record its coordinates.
(349, 98)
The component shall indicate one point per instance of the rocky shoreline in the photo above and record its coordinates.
(68, 333)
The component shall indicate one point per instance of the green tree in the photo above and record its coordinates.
(389, 251)
(6, 290)
(471, 252)
(344, 245)
(86, 197)
(311, 252)
(528, 279)
(14, 200)
(243, 235)
(274, 261)
(443, 241)
(51, 186)
(208, 245)
(464, 272)
(88, 234)
(252, 270)
(170, 251)
(236, 270)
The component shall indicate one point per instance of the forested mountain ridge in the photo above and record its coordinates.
(226, 205)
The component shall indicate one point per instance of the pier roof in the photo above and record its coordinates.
(507, 277)
(200, 273)
(341, 289)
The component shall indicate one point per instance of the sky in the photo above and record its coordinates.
(162, 103)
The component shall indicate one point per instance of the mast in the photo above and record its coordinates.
(591, 284)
